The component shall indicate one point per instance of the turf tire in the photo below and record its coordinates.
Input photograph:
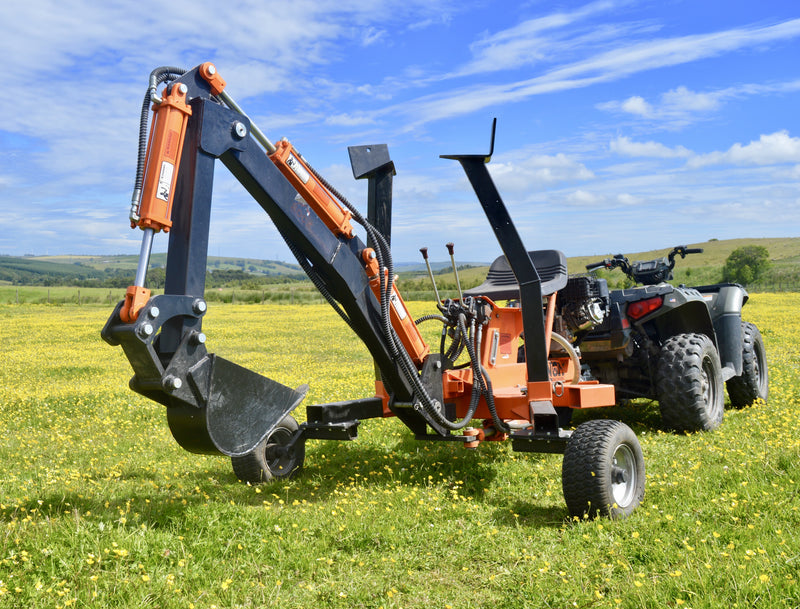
(262, 464)
(603, 470)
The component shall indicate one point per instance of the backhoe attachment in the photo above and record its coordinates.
(502, 371)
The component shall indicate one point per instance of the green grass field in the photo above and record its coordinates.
(99, 507)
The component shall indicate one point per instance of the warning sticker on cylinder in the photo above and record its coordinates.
(398, 306)
(298, 169)
(165, 181)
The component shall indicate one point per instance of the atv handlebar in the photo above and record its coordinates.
(682, 250)
(611, 263)
(649, 272)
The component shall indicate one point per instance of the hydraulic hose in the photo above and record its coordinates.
(318, 283)
(481, 378)
(157, 76)
(433, 317)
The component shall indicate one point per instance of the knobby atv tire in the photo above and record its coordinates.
(603, 470)
(266, 462)
(753, 383)
(689, 383)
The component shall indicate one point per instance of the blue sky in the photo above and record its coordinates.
(623, 125)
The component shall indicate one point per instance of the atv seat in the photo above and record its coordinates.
(501, 284)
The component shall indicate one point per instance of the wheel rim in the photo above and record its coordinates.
(708, 387)
(624, 475)
(278, 461)
(760, 369)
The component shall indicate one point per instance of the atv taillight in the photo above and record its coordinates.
(637, 310)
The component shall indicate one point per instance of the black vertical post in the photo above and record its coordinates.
(188, 237)
(374, 164)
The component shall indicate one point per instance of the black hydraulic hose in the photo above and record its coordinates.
(499, 423)
(432, 317)
(318, 283)
(157, 76)
(481, 378)
(457, 344)
(382, 253)
(143, 120)
(439, 417)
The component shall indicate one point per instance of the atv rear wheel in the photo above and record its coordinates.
(689, 383)
(753, 383)
(270, 458)
(603, 470)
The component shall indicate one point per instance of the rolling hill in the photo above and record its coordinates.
(107, 270)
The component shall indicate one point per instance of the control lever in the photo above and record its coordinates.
(424, 252)
(455, 271)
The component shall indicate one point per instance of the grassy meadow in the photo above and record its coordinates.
(99, 506)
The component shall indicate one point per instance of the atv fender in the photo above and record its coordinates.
(691, 317)
(725, 302)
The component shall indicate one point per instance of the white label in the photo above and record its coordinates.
(165, 181)
(298, 169)
(398, 306)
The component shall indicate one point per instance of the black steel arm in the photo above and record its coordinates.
(475, 166)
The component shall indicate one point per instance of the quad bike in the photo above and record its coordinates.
(673, 344)
(474, 389)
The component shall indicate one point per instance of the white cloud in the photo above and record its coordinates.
(372, 35)
(681, 106)
(626, 147)
(626, 199)
(684, 100)
(637, 105)
(532, 41)
(537, 172)
(350, 120)
(583, 198)
(676, 107)
(771, 149)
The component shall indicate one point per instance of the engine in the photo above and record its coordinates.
(582, 304)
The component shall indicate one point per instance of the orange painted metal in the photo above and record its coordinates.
(135, 298)
(313, 192)
(399, 316)
(209, 72)
(163, 160)
(511, 390)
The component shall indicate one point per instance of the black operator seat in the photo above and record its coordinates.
(501, 284)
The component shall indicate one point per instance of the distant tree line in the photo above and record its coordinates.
(87, 277)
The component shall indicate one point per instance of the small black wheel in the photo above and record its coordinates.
(270, 458)
(603, 470)
(689, 383)
(753, 383)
